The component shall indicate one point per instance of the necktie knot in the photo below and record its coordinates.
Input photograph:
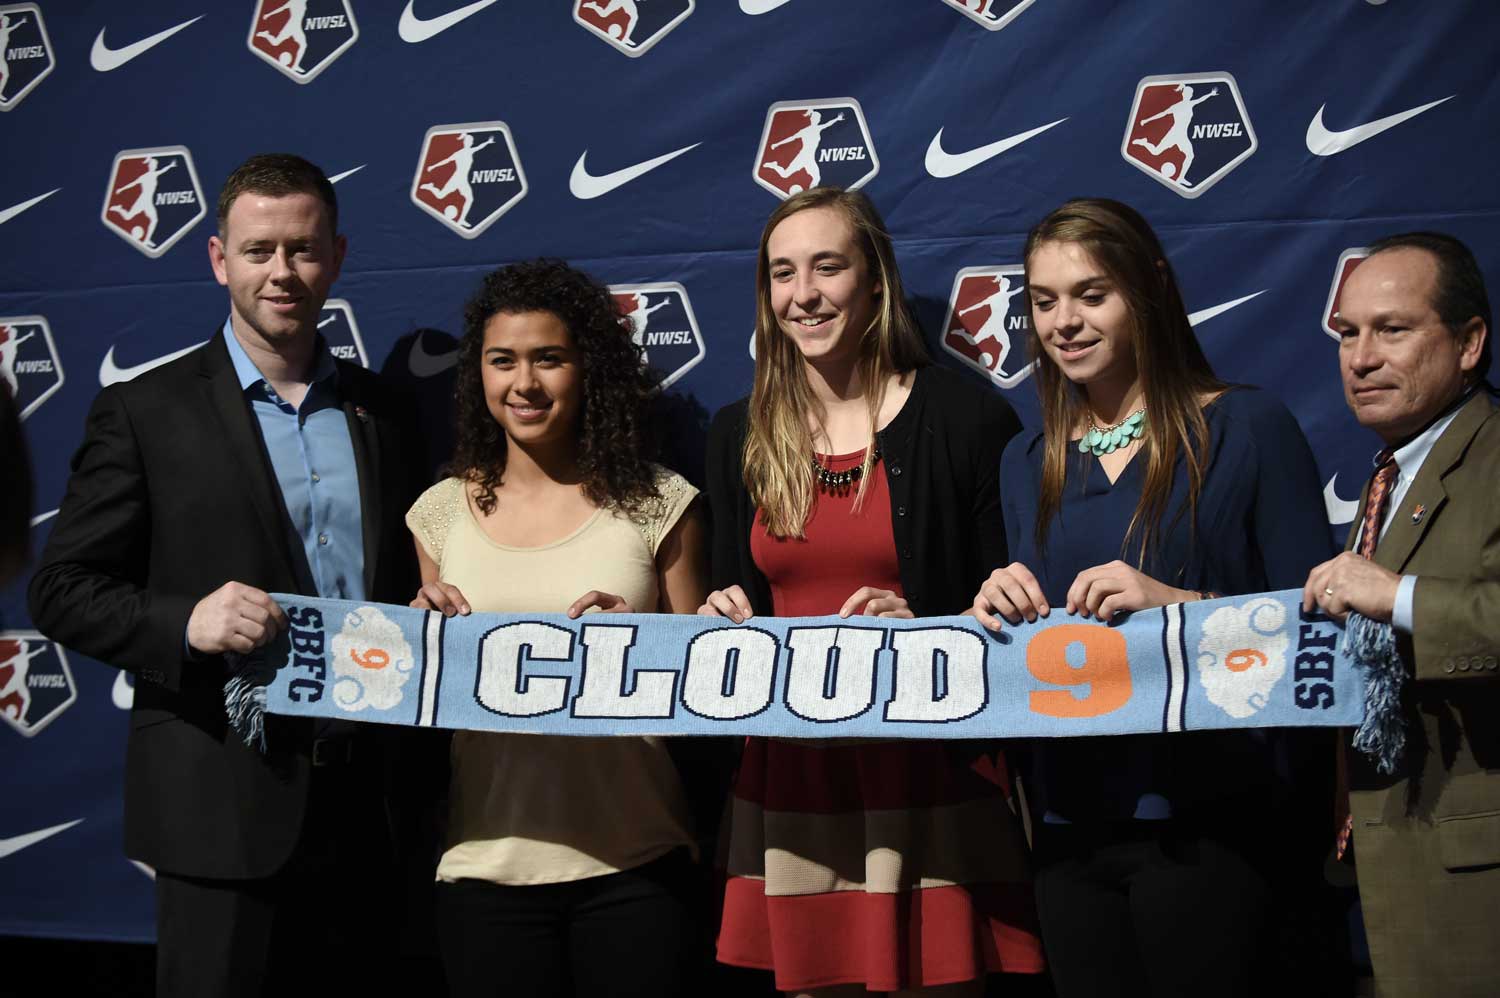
(1378, 501)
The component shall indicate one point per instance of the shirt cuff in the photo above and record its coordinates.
(1401, 613)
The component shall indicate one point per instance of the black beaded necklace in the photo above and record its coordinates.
(831, 480)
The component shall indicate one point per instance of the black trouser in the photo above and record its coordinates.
(1146, 908)
(328, 922)
(639, 932)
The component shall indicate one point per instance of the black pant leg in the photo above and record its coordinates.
(213, 936)
(497, 940)
(639, 933)
(1202, 915)
(1083, 903)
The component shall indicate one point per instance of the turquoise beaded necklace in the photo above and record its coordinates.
(1099, 441)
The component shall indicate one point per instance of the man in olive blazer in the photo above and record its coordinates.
(1414, 319)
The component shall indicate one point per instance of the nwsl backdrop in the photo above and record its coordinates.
(647, 140)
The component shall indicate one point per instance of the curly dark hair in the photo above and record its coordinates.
(613, 444)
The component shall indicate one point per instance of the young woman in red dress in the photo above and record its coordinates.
(856, 479)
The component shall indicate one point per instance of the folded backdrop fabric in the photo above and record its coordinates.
(1243, 662)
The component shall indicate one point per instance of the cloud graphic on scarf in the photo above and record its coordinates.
(371, 661)
(1242, 655)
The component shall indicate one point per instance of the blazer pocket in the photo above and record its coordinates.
(1469, 840)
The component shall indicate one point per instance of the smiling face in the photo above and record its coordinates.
(1081, 318)
(1400, 364)
(278, 257)
(822, 292)
(533, 377)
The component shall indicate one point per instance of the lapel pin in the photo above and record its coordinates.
(362, 413)
(1418, 513)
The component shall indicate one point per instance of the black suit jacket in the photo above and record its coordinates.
(171, 496)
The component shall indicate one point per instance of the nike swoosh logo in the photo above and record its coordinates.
(415, 29)
(427, 365)
(11, 846)
(122, 694)
(753, 7)
(103, 58)
(347, 173)
(41, 518)
(143, 868)
(16, 209)
(109, 374)
(1322, 142)
(1340, 511)
(1208, 313)
(586, 187)
(946, 164)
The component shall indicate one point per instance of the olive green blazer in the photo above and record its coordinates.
(1427, 838)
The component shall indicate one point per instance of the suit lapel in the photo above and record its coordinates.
(227, 401)
(1428, 491)
(364, 434)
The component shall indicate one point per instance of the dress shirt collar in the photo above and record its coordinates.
(1410, 455)
(249, 375)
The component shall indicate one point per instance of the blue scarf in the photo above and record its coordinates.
(1241, 662)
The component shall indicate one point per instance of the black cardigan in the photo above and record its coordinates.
(941, 455)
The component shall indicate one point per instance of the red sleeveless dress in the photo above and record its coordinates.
(886, 864)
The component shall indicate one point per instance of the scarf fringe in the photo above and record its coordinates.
(1372, 647)
(245, 701)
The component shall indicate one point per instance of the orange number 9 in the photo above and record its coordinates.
(1105, 670)
(1242, 659)
(375, 658)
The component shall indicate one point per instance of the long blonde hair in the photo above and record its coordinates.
(1175, 375)
(779, 446)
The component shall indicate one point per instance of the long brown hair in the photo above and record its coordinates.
(1174, 373)
(779, 445)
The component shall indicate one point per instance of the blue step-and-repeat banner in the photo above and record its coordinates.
(646, 141)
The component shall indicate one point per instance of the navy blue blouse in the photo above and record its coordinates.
(1259, 526)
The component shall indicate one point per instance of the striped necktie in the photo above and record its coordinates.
(1378, 502)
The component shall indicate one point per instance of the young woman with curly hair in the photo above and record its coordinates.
(568, 867)
(858, 479)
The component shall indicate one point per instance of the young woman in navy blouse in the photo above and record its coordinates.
(1162, 859)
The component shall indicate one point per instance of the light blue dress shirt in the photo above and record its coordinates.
(312, 456)
(1409, 459)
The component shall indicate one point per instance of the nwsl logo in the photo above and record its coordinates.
(662, 324)
(1348, 260)
(809, 143)
(993, 14)
(468, 176)
(631, 26)
(1188, 132)
(153, 198)
(337, 327)
(36, 684)
(25, 52)
(302, 37)
(29, 368)
(989, 324)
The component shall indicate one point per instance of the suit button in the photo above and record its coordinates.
(895, 471)
(906, 553)
(1463, 664)
(1491, 663)
(900, 510)
(1448, 665)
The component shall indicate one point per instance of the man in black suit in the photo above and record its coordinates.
(256, 464)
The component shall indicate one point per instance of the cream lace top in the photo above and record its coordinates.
(536, 809)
